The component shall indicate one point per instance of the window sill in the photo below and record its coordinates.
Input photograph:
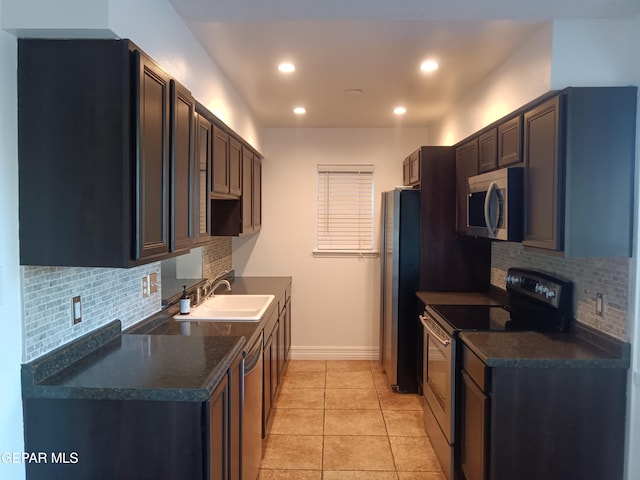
(346, 253)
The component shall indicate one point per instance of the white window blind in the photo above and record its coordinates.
(345, 209)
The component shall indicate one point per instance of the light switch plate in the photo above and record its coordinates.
(145, 286)
(76, 310)
(599, 304)
(153, 283)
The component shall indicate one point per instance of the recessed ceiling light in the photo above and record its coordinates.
(429, 66)
(353, 92)
(299, 110)
(399, 110)
(287, 67)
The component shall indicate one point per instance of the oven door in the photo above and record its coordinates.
(438, 379)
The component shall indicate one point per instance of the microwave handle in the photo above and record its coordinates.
(491, 192)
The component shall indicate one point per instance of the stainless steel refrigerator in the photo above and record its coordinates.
(400, 278)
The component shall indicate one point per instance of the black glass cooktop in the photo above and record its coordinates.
(483, 318)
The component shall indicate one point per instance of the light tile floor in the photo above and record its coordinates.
(339, 420)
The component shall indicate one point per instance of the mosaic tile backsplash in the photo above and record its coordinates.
(609, 276)
(107, 294)
(216, 257)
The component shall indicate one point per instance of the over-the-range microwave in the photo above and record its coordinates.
(494, 204)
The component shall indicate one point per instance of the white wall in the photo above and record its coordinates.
(335, 300)
(10, 305)
(523, 77)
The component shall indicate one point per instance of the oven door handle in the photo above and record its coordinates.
(438, 336)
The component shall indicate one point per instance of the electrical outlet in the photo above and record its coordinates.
(145, 286)
(153, 283)
(76, 310)
(599, 304)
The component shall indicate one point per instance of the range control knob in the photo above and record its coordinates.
(512, 279)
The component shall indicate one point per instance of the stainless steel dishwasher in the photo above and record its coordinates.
(252, 412)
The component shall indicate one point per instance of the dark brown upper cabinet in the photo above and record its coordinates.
(406, 175)
(220, 171)
(411, 169)
(488, 151)
(97, 183)
(226, 165)
(202, 201)
(510, 142)
(184, 170)
(235, 167)
(579, 153)
(152, 159)
(466, 166)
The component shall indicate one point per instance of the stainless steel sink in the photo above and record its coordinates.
(229, 308)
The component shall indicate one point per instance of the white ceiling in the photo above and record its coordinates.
(372, 45)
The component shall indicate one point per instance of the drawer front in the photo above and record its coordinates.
(475, 368)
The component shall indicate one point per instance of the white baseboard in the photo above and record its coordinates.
(334, 353)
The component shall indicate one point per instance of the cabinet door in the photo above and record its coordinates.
(235, 167)
(414, 168)
(488, 151)
(287, 330)
(282, 330)
(182, 168)
(406, 175)
(204, 132)
(473, 431)
(256, 214)
(275, 362)
(267, 398)
(236, 378)
(509, 142)
(219, 432)
(247, 191)
(543, 206)
(466, 166)
(220, 170)
(152, 166)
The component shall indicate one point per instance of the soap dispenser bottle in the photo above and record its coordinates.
(185, 302)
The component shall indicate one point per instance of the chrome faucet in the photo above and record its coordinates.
(217, 284)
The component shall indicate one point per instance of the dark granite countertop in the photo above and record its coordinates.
(142, 367)
(544, 350)
(166, 360)
(164, 324)
(494, 296)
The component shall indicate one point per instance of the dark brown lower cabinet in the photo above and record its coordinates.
(136, 439)
(219, 432)
(547, 422)
(474, 417)
(275, 355)
(236, 382)
(271, 378)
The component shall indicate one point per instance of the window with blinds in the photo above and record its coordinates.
(345, 209)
